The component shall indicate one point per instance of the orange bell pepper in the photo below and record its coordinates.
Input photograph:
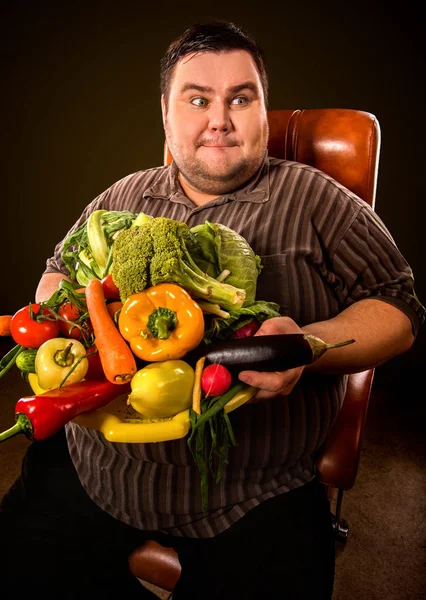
(163, 322)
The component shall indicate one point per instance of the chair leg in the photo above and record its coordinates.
(340, 526)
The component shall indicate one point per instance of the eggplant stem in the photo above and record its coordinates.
(318, 346)
(338, 344)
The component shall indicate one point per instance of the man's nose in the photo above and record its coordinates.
(219, 118)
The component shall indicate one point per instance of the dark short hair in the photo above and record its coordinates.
(216, 36)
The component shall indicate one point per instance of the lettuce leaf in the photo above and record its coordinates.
(223, 249)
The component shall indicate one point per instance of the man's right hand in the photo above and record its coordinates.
(279, 383)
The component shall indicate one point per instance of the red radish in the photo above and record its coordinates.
(215, 380)
(247, 330)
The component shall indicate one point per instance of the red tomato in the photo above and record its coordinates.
(33, 332)
(70, 312)
(111, 291)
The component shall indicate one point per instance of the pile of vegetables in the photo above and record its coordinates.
(212, 262)
(159, 312)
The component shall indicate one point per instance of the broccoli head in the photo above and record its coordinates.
(132, 253)
(172, 263)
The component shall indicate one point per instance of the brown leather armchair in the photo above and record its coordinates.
(345, 144)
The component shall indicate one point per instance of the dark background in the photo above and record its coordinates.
(80, 107)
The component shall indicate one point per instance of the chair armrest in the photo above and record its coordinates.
(338, 459)
(155, 564)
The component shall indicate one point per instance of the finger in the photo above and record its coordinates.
(268, 381)
(278, 325)
(269, 327)
(262, 395)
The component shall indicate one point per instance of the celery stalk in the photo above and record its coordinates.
(97, 240)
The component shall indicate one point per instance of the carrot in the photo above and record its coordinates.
(5, 325)
(117, 359)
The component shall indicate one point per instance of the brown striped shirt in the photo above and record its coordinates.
(322, 249)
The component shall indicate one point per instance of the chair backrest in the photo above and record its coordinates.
(342, 142)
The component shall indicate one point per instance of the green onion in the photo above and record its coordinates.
(215, 421)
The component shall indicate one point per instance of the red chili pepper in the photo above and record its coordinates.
(39, 417)
(95, 370)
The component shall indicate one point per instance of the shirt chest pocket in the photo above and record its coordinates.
(272, 283)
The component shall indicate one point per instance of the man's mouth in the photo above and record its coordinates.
(217, 143)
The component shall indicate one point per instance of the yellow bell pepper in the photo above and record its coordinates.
(35, 386)
(60, 361)
(163, 322)
(162, 389)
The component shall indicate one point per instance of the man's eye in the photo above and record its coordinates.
(239, 100)
(201, 102)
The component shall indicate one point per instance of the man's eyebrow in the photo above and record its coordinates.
(203, 89)
(247, 85)
(189, 85)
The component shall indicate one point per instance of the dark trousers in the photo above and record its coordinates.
(56, 542)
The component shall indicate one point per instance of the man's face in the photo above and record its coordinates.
(215, 123)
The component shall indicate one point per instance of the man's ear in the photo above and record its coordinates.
(163, 108)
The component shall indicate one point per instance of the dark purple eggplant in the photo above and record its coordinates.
(267, 352)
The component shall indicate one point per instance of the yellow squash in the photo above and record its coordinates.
(117, 425)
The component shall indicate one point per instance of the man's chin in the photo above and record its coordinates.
(220, 171)
(218, 178)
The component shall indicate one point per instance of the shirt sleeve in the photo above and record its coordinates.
(368, 264)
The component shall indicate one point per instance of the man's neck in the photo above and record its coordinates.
(197, 197)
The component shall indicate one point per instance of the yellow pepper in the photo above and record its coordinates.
(35, 386)
(57, 358)
(163, 322)
(162, 389)
(116, 425)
